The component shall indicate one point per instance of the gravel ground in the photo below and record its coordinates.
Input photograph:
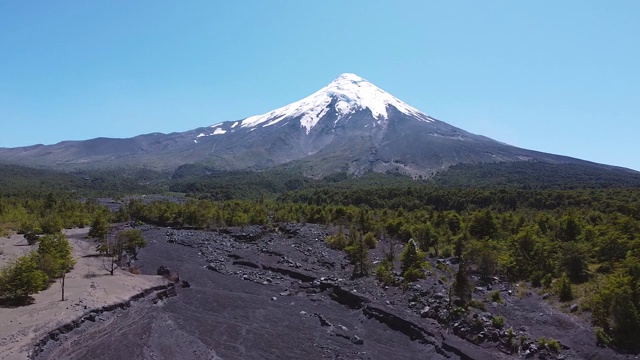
(257, 293)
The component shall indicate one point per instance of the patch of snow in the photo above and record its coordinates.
(272, 122)
(350, 93)
(235, 124)
(216, 125)
(195, 141)
(201, 135)
(219, 131)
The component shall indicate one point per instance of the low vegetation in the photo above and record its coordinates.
(497, 322)
(549, 343)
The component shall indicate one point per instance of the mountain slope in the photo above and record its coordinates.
(349, 125)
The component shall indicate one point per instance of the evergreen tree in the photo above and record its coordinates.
(22, 278)
(412, 262)
(358, 252)
(483, 225)
(565, 291)
(99, 227)
(461, 287)
(55, 255)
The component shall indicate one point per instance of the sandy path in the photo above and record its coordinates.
(88, 286)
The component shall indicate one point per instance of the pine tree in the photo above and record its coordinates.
(99, 227)
(412, 262)
(461, 287)
(358, 252)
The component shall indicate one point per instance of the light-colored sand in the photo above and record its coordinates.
(88, 286)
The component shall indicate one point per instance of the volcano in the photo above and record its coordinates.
(349, 126)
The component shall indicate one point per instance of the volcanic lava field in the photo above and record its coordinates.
(282, 293)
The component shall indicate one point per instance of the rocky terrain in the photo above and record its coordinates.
(350, 126)
(281, 293)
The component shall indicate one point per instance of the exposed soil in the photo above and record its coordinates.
(258, 293)
(87, 287)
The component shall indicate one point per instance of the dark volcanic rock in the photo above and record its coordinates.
(256, 302)
(163, 271)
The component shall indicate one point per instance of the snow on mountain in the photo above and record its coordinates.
(350, 92)
(351, 125)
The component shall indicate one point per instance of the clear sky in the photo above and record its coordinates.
(555, 76)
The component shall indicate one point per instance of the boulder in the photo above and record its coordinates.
(357, 340)
(163, 271)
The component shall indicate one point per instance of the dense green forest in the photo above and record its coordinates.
(24, 182)
(579, 240)
(535, 175)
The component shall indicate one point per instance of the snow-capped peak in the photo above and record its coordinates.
(351, 93)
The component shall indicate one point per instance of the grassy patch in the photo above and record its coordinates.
(495, 297)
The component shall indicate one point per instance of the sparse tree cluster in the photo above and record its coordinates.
(120, 248)
(35, 271)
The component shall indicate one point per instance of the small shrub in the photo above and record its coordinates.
(477, 304)
(337, 241)
(551, 344)
(442, 266)
(602, 338)
(370, 241)
(497, 322)
(495, 296)
(542, 342)
(384, 273)
(413, 274)
(565, 292)
(522, 291)
(523, 340)
(510, 335)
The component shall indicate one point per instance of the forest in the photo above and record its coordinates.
(579, 243)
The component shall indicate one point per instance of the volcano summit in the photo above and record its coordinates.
(349, 125)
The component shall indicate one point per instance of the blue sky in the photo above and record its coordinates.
(554, 76)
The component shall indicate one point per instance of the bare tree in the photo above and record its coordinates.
(112, 249)
(64, 275)
(121, 245)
